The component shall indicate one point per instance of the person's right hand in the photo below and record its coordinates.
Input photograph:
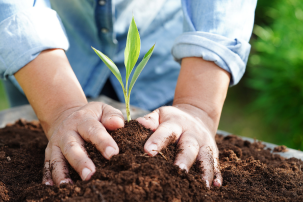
(66, 141)
(60, 104)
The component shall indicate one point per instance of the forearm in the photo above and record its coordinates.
(204, 85)
(50, 86)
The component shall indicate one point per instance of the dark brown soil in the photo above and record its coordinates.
(250, 172)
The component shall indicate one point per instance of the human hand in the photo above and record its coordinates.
(67, 119)
(191, 128)
(66, 141)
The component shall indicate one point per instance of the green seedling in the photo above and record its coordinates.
(131, 55)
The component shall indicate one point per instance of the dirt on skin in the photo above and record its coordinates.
(250, 172)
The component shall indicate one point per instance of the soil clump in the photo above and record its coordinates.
(250, 172)
(280, 148)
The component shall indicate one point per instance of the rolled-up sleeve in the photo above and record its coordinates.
(218, 31)
(27, 27)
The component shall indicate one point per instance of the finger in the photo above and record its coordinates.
(189, 149)
(150, 120)
(58, 167)
(112, 118)
(93, 131)
(166, 133)
(218, 176)
(75, 153)
(47, 176)
(206, 159)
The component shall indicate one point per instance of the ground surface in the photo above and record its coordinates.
(250, 173)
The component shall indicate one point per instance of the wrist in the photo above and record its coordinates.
(204, 85)
(199, 114)
(50, 86)
(50, 120)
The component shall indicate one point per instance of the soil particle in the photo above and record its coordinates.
(281, 148)
(250, 172)
(2, 155)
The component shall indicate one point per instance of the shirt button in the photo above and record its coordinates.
(102, 2)
(104, 30)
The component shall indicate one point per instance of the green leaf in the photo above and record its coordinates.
(132, 50)
(140, 68)
(111, 65)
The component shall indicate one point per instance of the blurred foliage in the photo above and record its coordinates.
(275, 69)
(264, 12)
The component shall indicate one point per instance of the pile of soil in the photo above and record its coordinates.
(250, 172)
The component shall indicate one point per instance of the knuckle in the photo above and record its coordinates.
(111, 111)
(158, 142)
(91, 131)
(65, 124)
(163, 109)
(55, 162)
(197, 128)
(78, 114)
(194, 144)
(156, 113)
(61, 129)
(166, 126)
(110, 108)
(106, 107)
(68, 147)
(79, 164)
(150, 118)
(191, 143)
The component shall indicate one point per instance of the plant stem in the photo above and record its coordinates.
(126, 98)
(127, 108)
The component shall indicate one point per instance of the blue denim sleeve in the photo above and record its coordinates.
(27, 27)
(218, 31)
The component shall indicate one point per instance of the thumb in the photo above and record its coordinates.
(150, 120)
(112, 118)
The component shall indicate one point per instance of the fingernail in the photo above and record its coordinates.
(153, 149)
(182, 166)
(47, 183)
(109, 151)
(63, 182)
(207, 183)
(217, 183)
(85, 173)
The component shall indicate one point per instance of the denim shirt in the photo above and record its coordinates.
(215, 30)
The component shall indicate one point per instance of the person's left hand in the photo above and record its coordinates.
(191, 127)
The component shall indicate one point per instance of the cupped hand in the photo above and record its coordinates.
(66, 141)
(193, 130)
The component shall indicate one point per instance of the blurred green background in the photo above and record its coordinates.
(267, 103)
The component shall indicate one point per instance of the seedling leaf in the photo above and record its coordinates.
(131, 54)
(132, 50)
(111, 65)
(140, 68)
